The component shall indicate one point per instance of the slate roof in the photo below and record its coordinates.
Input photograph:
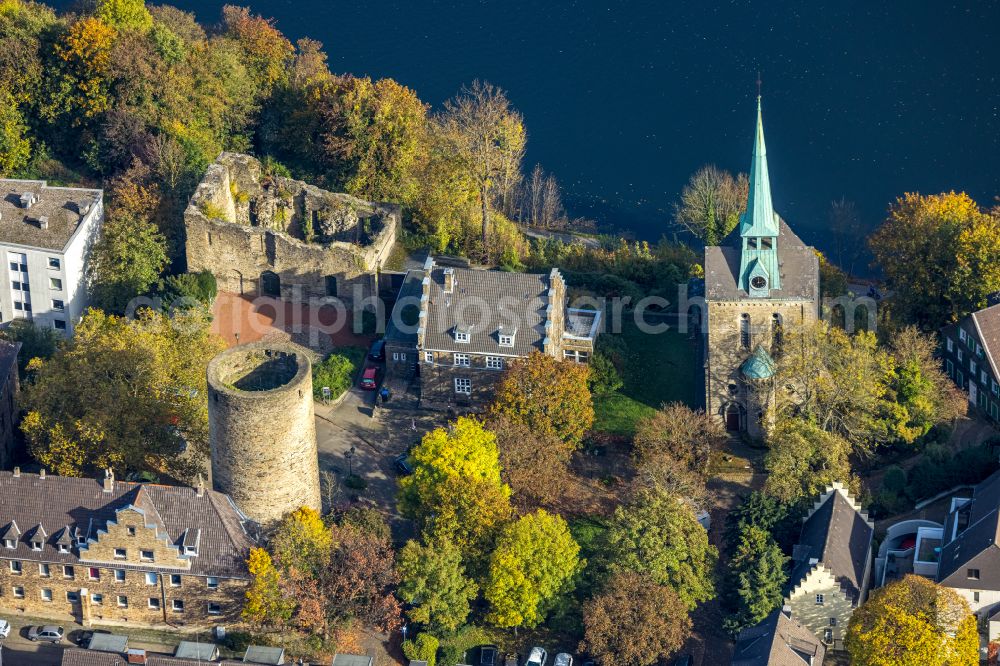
(196, 650)
(486, 300)
(798, 264)
(987, 323)
(81, 504)
(777, 640)
(63, 206)
(108, 643)
(351, 660)
(977, 543)
(840, 538)
(397, 330)
(74, 656)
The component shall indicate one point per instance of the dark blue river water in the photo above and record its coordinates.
(624, 99)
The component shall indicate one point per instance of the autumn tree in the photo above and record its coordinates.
(15, 145)
(634, 622)
(534, 465)
(302, 541)
(672, 447)
(124, 394)
(803, 459)
(266, 51)
(79, 89)
(264, 604)
(548, 395)
(913, 622)
(658, 535)
(487, 135)
(124, 14)
(531, 571)
(756, 578)
(433, 580)
(940, 255)
(456, 491)
(711, 203)
(924, 396)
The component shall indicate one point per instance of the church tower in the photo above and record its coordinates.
(761, 281)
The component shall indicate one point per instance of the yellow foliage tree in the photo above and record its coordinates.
(81, 88)
(264, 604)
(913, 622)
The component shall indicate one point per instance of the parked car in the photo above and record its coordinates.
(4, 629)
(488, 655)
(48, 633)
(369, 380)
(563, 659)
(537, 657)
(403, 466)
(377, 351)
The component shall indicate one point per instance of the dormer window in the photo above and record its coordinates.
(63, 548)
(36, 545)
(462, 333)
(505, 336)
(190, 550)
(10, 543)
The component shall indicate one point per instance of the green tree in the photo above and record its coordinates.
(548, 395)
(80, 88)
(433, 580)
(455, 490)
(757, 578)
(125, 14)
(924, 395)
(711, 203)
(123, 393)
(423, 648)
(765, 512)
(604, 376)
(803, 459)
(634, 622)
(15, 146)
(658, 534)
(532, 569)
(36, 341)
(913, 622)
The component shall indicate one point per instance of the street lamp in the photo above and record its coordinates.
(350, 461)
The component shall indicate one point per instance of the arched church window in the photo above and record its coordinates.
(777, 333)
(745, 330)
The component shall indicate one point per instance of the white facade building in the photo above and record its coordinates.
(46, 236)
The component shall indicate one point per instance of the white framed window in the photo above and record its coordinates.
(94, 573)
(428, 357)
(461, 336)
(54, 263)
(214, 608)
(154, 603)
(67, 571)
(120, 553)
(984, 378)
(119, 575)
(959, 352)
(402, 356)
(131, 531)
(972, 368)
(46, 594)
(961, 334)
(43, 570)
(175, 580)
(10, 543)
(819, 599)
(55, 284)
(36, 545)
(62, 548)
(15, 566)
(828, 636)
(150, 578)
(462, 360)
(950, 344)
(494, 362)
(463, 385)
(58, 305)
(18, 592)
(178, 605)
(146, 555)
(506, 340)
(72, 597)
(122, 601)
(395, 356)
(212, 582)
(97, 599)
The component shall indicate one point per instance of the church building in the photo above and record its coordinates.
(760, 281)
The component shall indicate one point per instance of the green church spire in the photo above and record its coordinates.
(759, 271)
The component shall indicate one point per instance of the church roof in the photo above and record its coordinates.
(760, 365)
(798, 267)
(759, 219)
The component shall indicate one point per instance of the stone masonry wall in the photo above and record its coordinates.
(263, 441)
(240, 224)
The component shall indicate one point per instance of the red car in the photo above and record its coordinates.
(369, 380)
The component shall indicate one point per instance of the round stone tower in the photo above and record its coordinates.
(261, 429)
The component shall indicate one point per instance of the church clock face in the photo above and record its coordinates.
(758, 282)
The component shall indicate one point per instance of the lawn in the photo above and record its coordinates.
(658, 368)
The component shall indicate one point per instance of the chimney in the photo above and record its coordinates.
(449, 280)
(200, 488)
(17, 472)
(43, 222)
(135, 656)
(41, 473)
(109, 480)
(28, 199)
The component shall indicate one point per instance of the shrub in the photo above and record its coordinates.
(454, 647)
(939, 471)
(337, 371)
(604, 377)
(895, 479)
(423, 648)
(201, 287)
(355, 482)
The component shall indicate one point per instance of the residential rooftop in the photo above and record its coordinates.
(33, 214)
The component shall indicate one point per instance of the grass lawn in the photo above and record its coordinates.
(658, 368)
